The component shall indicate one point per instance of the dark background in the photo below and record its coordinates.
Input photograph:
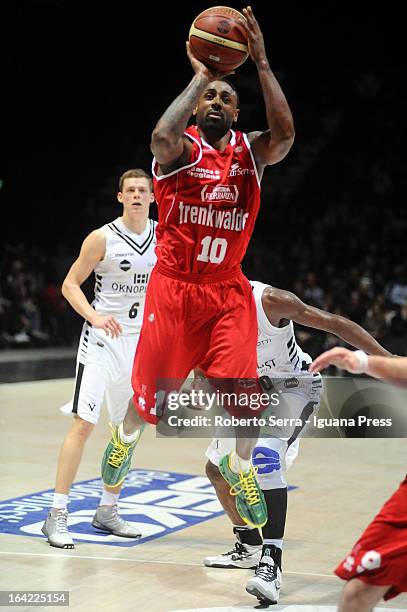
(84, 84)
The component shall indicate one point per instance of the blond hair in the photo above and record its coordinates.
(135, 173)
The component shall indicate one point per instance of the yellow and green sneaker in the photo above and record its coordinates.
(117, 458)
(250, 502)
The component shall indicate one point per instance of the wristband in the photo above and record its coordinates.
(363, 361)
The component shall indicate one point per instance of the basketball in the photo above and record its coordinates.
(218, 40)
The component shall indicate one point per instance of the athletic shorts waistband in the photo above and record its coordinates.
(199, 278)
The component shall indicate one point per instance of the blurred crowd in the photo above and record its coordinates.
(33, 311)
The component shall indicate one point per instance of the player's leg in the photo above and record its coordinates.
(125, 422)
(246, 551)
(269, 456)
(85, 408)
(116, 460)
(71, 454)
(107, 517)
(358, 596)
(162, 358)
(232, 360)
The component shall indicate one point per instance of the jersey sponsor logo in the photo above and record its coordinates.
(140, 279)
(265, 341)
(203, 173)
(291, 383)
(131, 289)
(139, 286)
(236, 170)
(125, 265)
(371, 560)
(158, 502)
(235, 219)
(220, 193)
(270, 363)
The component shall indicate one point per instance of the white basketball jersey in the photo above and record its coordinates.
(277, 350)
(121, 277)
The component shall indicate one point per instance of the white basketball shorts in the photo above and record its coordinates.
(103, 368)
(273, 456)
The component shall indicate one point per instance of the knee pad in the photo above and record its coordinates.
(270, 467)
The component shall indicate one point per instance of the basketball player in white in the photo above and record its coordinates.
(121, 254)
(283, 368)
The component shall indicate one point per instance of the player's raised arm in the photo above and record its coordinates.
(168, 144)
(286, 305)
(92, 251)
(271, 146)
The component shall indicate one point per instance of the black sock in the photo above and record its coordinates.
(251, 537)
(276, 501)
(274, 552)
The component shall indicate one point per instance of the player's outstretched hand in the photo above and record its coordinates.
(340, 357)
(257, 49)
(200, 68)
(108, 323)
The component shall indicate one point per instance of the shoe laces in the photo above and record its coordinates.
(62, 521)
(120, 449)
(248, 485)
(238, 549)
(114, 511)
(266, 570)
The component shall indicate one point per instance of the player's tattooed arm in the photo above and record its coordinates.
(279, 304)
(168, 142)
(169, 145)
(271, 146)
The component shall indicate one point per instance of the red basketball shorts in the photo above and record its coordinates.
(210, 325)
(380, 556)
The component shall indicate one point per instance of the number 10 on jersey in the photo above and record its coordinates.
(213, 249)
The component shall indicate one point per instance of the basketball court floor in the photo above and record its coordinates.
(338, 486)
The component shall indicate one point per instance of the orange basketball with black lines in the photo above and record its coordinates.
(218, 40)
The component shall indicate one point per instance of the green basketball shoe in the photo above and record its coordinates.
(250, 502)
(117, 458)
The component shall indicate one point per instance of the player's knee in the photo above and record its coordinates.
(83, 428)
(270, 469)
(213, 473)
(356, 596)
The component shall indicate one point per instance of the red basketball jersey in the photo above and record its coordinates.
(208, 208)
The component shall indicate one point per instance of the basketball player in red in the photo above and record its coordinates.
(199, 307)
(377, 565)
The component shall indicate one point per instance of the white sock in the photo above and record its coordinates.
(127, 438)
(109, 499)
(60, 501)
(278, 543)
(237, 464)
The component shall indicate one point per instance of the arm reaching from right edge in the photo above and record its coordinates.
(391, 369)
